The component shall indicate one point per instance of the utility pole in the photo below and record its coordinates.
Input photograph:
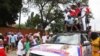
(19, 22)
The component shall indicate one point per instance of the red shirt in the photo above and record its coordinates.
(2, 51)
(73, 13)
(78, 10)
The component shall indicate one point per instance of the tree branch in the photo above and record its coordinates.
(52, 5)
(45, 3)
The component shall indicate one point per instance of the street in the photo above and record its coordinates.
(12, 53)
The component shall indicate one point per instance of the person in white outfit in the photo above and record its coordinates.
(20, 48)
(84, 14)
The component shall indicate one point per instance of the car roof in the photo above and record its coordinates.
(67, 33)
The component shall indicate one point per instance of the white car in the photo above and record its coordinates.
(65, 44)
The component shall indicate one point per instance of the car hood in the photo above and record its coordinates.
(55, 50)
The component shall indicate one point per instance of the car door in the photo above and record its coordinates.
(87, 50)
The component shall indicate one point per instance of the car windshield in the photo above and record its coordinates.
(67, 39)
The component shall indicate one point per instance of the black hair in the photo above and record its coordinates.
(73, 6)
(69, 17)
(94, 35)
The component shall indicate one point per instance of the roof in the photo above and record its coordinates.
(70, 33)
(76, 32)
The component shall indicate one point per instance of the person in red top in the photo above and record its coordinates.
(2, 50)
(77, 10)
(74, 13)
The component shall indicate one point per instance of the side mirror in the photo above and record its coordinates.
(86, 43)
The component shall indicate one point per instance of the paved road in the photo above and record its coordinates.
(12, 53)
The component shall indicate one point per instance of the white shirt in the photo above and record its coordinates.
(66, 15)
(19, 48)
(44, 38)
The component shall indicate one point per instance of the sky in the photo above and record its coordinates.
(25, 17)
(95, 9)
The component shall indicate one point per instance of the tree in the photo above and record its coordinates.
(21, 26)
(58, 26)
(9, 10)
(33, 21)
(47, 9)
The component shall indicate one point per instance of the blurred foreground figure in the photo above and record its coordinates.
(95, 44)
(2, 50)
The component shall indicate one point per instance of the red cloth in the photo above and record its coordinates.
(87, 10)
(73, 13)
(78, 10)
(2, 52)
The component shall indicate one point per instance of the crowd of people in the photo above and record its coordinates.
(77, 16)
(21, 43)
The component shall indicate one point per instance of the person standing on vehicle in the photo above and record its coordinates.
(85, 16)
(95, 44)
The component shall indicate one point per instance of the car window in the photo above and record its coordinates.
(67, 39)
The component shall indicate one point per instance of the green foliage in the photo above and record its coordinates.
(9, 11)
(58, 26)
(33, 21)
(21, 26)
(49, 11)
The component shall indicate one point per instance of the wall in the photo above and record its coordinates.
(24, 31)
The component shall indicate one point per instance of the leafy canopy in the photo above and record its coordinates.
(49, 12)
(9, 10)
